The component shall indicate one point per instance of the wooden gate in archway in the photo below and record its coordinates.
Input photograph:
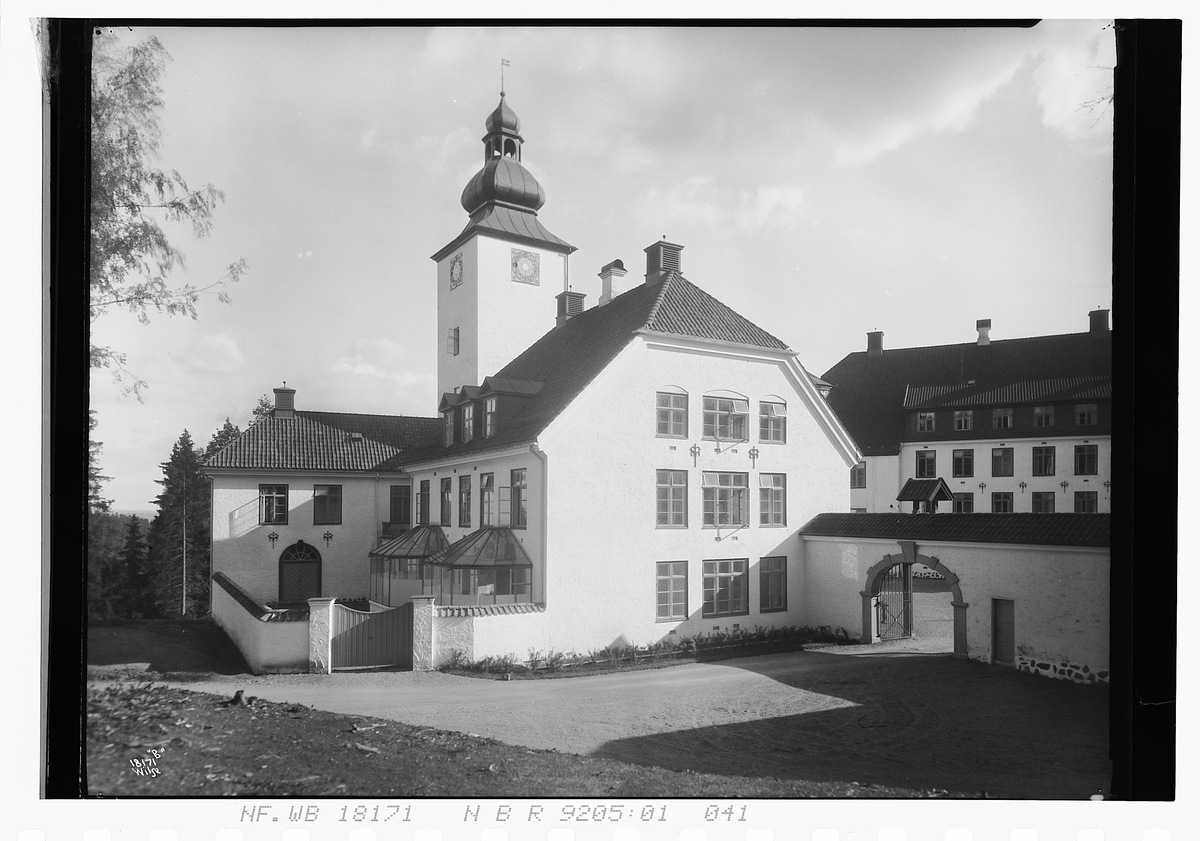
(893, 605)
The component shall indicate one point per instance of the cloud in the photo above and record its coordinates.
(774, 209)
(1076, 69)
(694, 200)
(380, 360)
(951, 109)
(215, 354)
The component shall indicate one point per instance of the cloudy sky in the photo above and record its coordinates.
(824, 182)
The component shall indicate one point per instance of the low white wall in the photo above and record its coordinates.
(1060, 596)
(488, 635)
(268, 647)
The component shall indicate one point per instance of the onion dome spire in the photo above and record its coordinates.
(503, 180)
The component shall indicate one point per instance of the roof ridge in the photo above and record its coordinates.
(365, 415)
(963, 345)
(659, 296)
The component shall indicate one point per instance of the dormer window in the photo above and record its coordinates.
(448, 428)
(468, 422)
(489, 417)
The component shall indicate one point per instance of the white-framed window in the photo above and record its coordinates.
(447, 428)
(1086, 456)
(1043, 502)
(1002, 503)
(772, 584)
(468, 422)
(963, 463)
(1043, 416)
(452, 342)
(1043, 461)
(464, 502)
(726, 499)
(519, 514)
(671, 585)
(495, 581)
(725, 418)
(772, 422)
(1085, 502)
(772, 499)
(964, 503)
(1085, 414)
(423, 503)
(926, 422)
(1002, 461)
(725, 588)
(447, 501)
(671, 499)
(489, 417)
(964, 420)
(272, 505)
(327, 505)
(487, 492)
(1002, 418)
(926, 464)
(671, 414)
(858, 475)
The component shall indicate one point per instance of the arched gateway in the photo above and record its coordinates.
(878, 574)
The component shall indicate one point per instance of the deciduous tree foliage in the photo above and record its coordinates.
(131, 256)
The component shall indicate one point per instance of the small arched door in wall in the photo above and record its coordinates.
(888, 594)
(299, 573)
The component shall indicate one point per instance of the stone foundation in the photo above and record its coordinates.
(1062, 671)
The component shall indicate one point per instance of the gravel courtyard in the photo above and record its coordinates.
(885, 714)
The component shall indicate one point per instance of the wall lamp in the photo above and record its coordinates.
(754, 454)
(1107, 484)
(982, 485)
(272, 537)
(1022, 486)
(328, 537)
(1064, 484)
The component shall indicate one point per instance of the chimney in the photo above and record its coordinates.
(285, 402)
(613, 271)
(875, 343)
(1099, 322)
(983, 325)
(570, 304)
(661, 258)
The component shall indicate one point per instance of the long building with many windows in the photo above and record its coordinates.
(1013, 425)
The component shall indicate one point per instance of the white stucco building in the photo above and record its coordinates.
(631, 472)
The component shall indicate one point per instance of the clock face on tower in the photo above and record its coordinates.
(525, 267)
(456, 271)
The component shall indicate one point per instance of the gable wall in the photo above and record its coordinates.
(602, 539)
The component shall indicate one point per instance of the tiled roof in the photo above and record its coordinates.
(1026, 391)
(488, 609)
(326, 441)
(870, 394)
(520, 225)
(925, 490)
(687, 310)
(569, 357)
(1034, 529)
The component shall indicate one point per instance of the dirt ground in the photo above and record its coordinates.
(902, 715)
(888, 717)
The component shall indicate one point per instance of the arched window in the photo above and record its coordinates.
(299, 573)
(510, 149)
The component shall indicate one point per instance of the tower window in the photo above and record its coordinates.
(452, 343)
(510, 149)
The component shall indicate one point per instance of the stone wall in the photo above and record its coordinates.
(1062, 670)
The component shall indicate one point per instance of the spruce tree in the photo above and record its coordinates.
(130, 576)
(225, 435)
(180, 535)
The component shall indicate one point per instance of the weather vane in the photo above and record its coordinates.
(503, 63)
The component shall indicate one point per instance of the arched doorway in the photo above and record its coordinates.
(884, 581)
(299, 573)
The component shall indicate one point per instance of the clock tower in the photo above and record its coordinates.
(498, 279)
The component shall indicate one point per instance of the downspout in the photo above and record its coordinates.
(533, 448)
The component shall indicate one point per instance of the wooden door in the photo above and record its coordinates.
(1003, 627)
